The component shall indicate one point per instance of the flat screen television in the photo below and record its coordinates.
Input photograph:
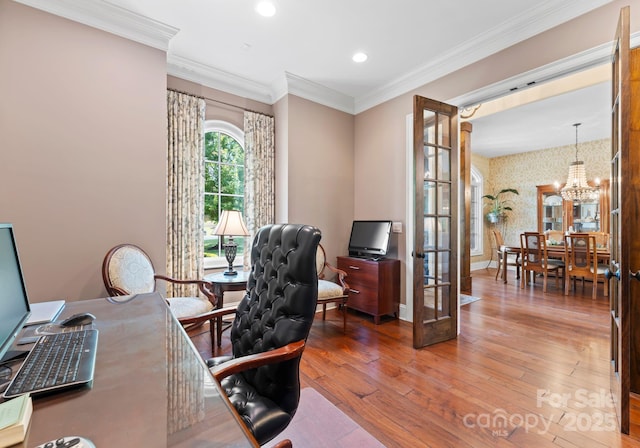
(369, 239)
(14, 305)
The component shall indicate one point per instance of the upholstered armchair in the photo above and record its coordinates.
(270, 328)
(127, 269)
(329, 291)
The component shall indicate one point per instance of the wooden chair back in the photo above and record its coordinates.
(555, 236)
(602, 240)
(536, 259)
(581, 254)
(534, 251)
(581, 258)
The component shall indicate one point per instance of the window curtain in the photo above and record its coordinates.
(259, 193)
(185, 190)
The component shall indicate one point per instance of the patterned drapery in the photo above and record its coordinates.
(259, 153)
(185, 190)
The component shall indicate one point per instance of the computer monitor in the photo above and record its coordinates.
(14, 303)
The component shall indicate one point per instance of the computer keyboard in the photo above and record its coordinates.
(57, 361)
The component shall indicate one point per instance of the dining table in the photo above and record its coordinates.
(553, 251)
(557, 251)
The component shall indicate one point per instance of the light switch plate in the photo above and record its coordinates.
(396, 227)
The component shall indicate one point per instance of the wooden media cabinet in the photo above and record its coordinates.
(374, 285)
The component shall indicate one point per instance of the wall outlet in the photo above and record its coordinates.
(396, 227)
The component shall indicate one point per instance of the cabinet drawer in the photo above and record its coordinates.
(358, 272)
(363, 299)
(357, 282)
(373, 285)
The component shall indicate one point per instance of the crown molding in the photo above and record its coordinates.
(527, 24)
(590, 58)
(218, 79)
(543, 16)
(312, 91)
(110, 18)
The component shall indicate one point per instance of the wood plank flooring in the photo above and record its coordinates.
(527, 370)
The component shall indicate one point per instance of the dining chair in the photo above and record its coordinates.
(506, 257)
(535, 259)
(581, 260)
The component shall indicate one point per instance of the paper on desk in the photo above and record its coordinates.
(11, 411)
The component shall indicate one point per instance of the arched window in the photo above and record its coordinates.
(476, 212)
(223, 185)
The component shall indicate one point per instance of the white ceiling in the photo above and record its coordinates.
(225, 44)
(546, 123)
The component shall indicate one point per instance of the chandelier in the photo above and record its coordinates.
(577, 188)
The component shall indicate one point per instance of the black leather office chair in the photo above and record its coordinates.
(270, 329)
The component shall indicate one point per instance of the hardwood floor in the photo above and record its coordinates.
(527, 370)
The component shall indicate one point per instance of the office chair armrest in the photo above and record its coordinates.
(340, 275)
(215, 313)
(248, 362)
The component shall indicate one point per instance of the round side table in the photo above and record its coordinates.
(222, 283)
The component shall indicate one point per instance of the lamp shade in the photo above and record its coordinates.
(231, 224)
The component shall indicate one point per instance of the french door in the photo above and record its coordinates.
(625, 215)
(435, 251)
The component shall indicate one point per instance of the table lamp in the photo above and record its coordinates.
(231, 225)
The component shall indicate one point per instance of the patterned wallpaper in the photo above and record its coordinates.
(525, 171)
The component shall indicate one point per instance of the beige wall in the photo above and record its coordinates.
(281, 109)
(83, 125)
(220, 105)
(319, 183)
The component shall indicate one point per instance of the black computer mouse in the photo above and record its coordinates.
(78, 319)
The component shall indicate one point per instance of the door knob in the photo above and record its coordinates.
(417, 254)
(609, 274)
(635, 275)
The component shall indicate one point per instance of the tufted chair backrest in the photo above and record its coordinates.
(279, 306)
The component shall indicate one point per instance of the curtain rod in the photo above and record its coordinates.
(220, 102)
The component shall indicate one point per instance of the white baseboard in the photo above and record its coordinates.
(483, 265)
(402, 313)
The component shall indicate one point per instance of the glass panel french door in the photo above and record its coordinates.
(621, 160)
(435, 281)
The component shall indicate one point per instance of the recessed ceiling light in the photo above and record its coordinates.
(266, 9)
(359, 57)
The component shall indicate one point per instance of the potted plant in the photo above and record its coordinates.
(498, 205)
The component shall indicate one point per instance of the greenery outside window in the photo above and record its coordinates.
(224, 179)
(476, 223)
